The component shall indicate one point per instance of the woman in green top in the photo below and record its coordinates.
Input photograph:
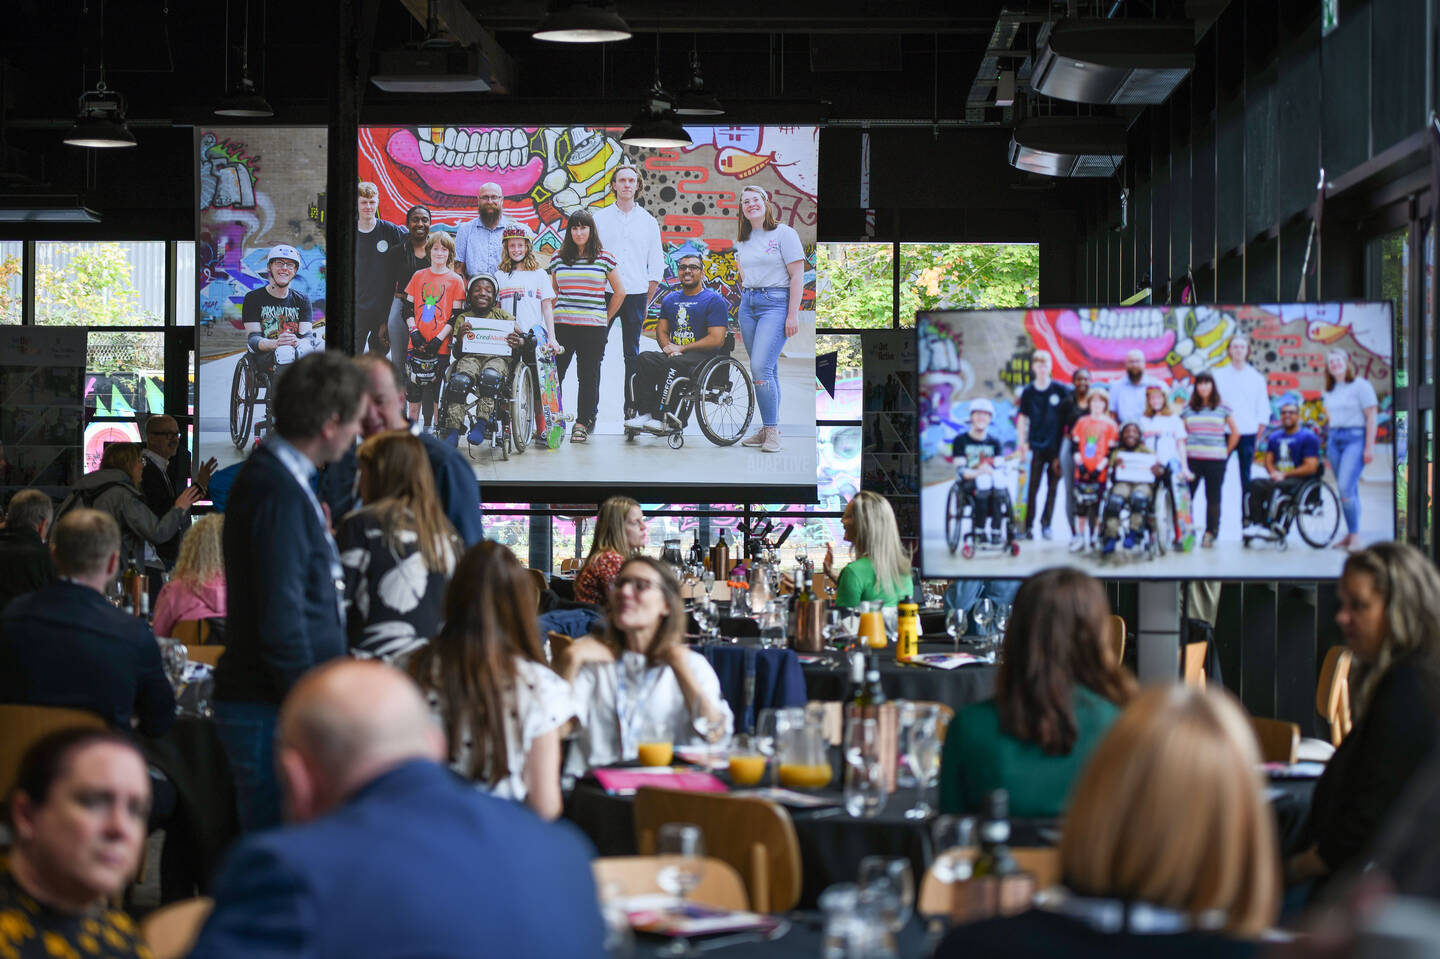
(881, 565)
(1057, 692)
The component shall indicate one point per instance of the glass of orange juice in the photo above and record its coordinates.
(656, 746)
(872, 625)
(747, 763)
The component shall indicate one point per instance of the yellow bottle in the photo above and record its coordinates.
(907, 632)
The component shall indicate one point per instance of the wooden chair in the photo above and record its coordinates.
(569, 565)
(720, 885)
(191, 632)
(1115, 637)
(542, 582)
(1192, 663)
(171, 931)
(944, 899)
(209, 655)
(1279, 740)
(1332, 693)
(755, 836)
(23, 726)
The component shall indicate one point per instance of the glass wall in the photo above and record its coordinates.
(12, 281)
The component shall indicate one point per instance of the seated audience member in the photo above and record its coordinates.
(1057, 691)
(197, 588)
(1390, 615)
(640, 677)
(880, 569)
(1168, 847)
(65, 645)
(77, 817)
(690, 331)
(25, 563)
(620, 532)
(115, 489)
(391, 854)
(500, 703)
(398, 550)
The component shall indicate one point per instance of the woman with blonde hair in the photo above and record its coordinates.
(771, 259)
(1168, 846)
(640, 679)
(1390, 616)
(397, 550)
(620, 532)
(196, 589)
(1057, 692)
(880, 568)
(501, 705)
(1350, 416)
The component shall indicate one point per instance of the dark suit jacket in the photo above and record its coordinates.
(159, 492)
(455, 483)
(64, 645)
(25, 563)
(417, 863)
(281, 610)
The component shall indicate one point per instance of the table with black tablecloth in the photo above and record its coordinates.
(829, 679)
(803, 938)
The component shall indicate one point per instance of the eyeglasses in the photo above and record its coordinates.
(687, 266)
(639, 584)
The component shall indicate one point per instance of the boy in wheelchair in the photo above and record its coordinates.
(478, 375)
(1134, 471)
(277, 318)
(976, 452)
(690, 330)
(1093, 437)
(1292, 456)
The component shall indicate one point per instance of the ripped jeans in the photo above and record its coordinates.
(762, 327)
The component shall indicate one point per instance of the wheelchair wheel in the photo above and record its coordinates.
(1162, 521)
(522, 407)
(725, 401)
(953, 518)
(243, 389)
(1317, 513)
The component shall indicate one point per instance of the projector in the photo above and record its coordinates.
(432, 68)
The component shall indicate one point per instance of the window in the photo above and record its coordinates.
(845, 404)
(854, 286)
(185, 284)
(12, 281)
(947, 276)
(100, 284)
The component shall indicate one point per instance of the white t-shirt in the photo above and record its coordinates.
(1345, 405)
(1245, 392)
(633, 239)
(607, 692)
(765, 257)
(539, 702)
(521, 294)
(1162, 434)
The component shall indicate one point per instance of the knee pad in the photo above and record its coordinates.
(489, 382)
(1114, 503)
(457, 391)
(984, 482)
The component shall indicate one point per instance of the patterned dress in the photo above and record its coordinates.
(29, 930)
(593, 583)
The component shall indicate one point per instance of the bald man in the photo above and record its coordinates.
(1127, 394)
(477, 242)
(391, 855)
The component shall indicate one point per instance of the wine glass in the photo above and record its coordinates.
(864, 773)
(922, 755)
(701, 613)
(983, 612)
(681, 847)
(767, 723)
(802, 556)
(1002, 620)
(954, 847)
(892, 879)
(955, 626)
(708, 578)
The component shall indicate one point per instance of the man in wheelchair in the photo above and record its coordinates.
(685, 315)
(480, 370)
(1292, 456)
(975, 452)
(277, 319)
(1134, 471)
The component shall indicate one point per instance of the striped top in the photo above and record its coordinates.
(1206, 433)
(582, 300)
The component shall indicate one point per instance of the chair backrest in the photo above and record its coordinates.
(191, 632)
(937, 898)
(720, 885)
(171, 930)
(1332, 692)
(542, 582)
(23, 726)
(569, 564)
(209, 655)
(755, 836)
(1115, 637)
(1192, 663)
(1279, 740)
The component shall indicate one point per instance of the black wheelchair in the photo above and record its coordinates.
(720, 394)
(1312, 507)
(1157, 526)
(512, 422)
(960, 530)
(250, 387)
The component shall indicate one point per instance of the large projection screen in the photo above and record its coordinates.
(545, 175)
(968, 359)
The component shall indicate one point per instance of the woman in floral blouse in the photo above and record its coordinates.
(620, 532)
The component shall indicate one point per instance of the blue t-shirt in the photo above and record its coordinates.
(1293, 449)
(689, 318)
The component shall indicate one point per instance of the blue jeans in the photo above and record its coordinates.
(632, 321)
(1347, 449)
(965, 593)
(762, 327)
(247, 731)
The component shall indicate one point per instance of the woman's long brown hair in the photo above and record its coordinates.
(397, 484)
(1055, 641)
(490, 608)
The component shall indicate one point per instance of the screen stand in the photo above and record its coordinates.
(1157, 645)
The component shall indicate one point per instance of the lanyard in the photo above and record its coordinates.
(628, 720)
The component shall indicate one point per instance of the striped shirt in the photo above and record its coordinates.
(582, 300)
(1206, 433)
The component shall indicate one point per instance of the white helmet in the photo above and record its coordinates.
(284, 251)
(982, 405)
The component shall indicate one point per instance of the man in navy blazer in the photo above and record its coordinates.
(392, 855)
(455, 481)
(283, 579)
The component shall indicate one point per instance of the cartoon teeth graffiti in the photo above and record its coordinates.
(1098, 339)
(441, 167)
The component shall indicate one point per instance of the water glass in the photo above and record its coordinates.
(681, 848)
(708, 578)
(983, 612)
(772, 625)
(864, 772)
(955, 626)
(854, 928)
(1002, 622)
(922, 754)
(883, 874)
(954, 838)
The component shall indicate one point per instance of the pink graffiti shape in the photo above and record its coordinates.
(1113, 351)
(461, 181)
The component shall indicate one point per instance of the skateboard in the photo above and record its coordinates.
(1184, 512)
(551, 407)
(1019, 509)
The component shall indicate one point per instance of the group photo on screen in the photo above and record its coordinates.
(563, 308)
(1208, 441)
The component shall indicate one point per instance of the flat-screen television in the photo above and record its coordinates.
(466, 182)
(1243, 441)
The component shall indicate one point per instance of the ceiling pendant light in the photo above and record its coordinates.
(695, 100)
(100, 121)
(656, 126)
(583, 22)
(243, 101)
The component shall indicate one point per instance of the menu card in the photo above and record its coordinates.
(624, 781)
(667, 916)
